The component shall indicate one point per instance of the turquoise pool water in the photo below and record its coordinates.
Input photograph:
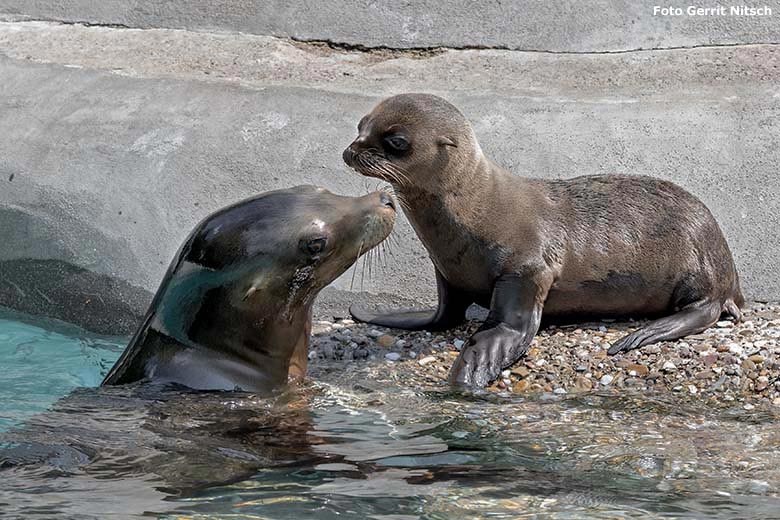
(359, 441)
(42, 361)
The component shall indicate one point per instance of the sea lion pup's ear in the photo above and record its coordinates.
(447, 141)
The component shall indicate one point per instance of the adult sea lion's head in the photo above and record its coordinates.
(234, 309)
(286, 245)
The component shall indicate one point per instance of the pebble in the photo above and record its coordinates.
(638, 370)
(709, 359)
(583, 384)
(731, 361)
(724, 324)
(427, 360)
(385, 340)
(736, 349)
(521, 386)
(520, 371)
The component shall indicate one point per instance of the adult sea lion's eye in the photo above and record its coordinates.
(396, 143)
(316, 245)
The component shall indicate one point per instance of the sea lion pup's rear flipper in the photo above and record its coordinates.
(450, 312)
(692, 319)
(515, 315)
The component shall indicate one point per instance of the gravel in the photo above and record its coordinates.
(730, 361)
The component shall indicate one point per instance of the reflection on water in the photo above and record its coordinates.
(365, 442)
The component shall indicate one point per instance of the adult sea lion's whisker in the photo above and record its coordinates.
(354, 266)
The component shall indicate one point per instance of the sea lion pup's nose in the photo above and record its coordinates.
(387, 200)
(349, 154)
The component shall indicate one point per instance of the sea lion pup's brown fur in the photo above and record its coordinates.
(597, 246)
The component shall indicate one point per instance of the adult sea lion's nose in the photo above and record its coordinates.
(387, 200)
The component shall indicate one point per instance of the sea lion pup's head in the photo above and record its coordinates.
(410, 140)
(286, 245)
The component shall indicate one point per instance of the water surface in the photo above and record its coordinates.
(362, 440)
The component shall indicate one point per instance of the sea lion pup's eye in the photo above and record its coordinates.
(396, 143)
(315, 246)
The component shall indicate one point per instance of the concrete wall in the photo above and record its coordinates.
(568, 25)
(116, 141)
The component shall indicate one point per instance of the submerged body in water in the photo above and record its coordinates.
(362, 441)
(234, 309)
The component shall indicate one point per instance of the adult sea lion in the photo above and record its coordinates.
(234, 309)
(603, 245)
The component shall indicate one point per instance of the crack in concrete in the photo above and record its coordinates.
(420, 51)
(433, 50)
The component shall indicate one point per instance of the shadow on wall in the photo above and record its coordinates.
(34, 282)
(59, 290)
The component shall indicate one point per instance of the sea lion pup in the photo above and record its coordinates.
(234, 309)
(595, 246)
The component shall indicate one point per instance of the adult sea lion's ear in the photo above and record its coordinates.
(447, 141)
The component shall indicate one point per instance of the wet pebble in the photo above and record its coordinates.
(385, 340)
(427, 360)
(725, 362)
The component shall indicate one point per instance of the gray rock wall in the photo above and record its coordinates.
(561, 26)
(117, 141)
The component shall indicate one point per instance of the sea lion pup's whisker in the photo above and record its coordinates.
(363, 273)
(354, 265)
(399, 172)
(383, 256)
(391, 172)
(371, 259)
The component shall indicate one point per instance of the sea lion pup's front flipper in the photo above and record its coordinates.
(515, 315)
(692, 319)
(450, 312)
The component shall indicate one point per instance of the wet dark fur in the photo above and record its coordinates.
(234, 309)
